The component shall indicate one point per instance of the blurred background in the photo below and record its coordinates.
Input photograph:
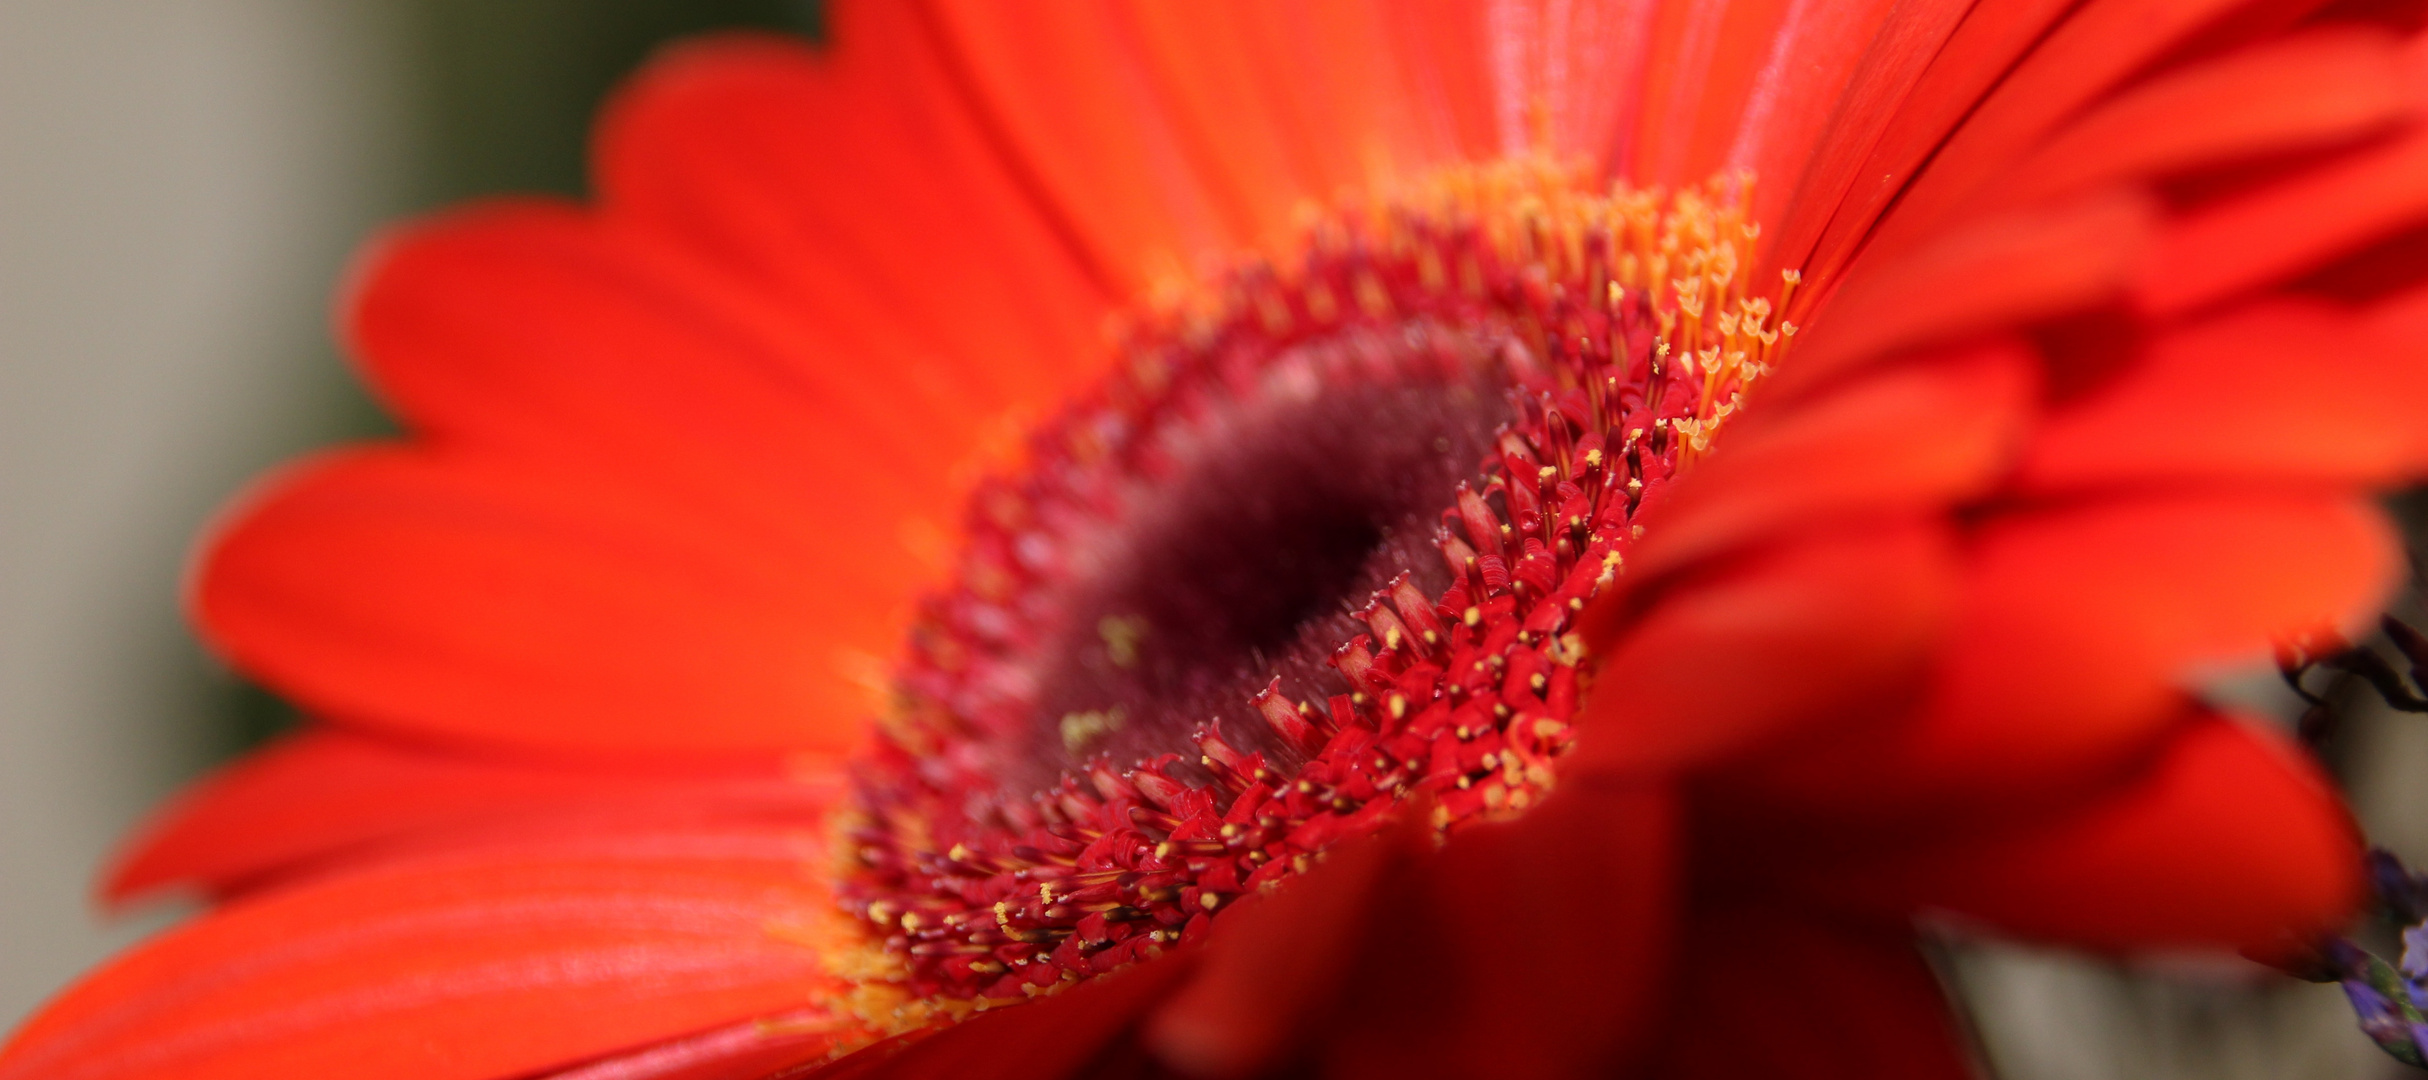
(181, 184)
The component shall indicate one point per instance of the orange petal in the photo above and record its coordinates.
(1822, 103)
(466, 968)
(1989, 274)
(755, 1049)
(2307, 90)
(857, 190)
(2279, 391)
(2231, 838)
(2087, 55)
(1907, 438)
(1073, 100)
(1833, 623)
(1282, 104)
(457, 597)
(1775, 991)
(326, 798)
(1911, 113)
(530, 327)
(2287, 228)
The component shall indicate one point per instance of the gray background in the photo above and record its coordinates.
(180, 183)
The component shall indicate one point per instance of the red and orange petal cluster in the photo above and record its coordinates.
(2110, 321)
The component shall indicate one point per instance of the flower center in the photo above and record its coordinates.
(1244, 567)
(1314, 549)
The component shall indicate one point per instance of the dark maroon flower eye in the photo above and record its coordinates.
(1313, 553)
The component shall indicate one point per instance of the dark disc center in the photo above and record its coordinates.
(1242, 564)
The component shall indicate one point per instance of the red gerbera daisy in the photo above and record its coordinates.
(1588, 519)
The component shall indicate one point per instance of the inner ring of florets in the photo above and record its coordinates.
(1311, 553)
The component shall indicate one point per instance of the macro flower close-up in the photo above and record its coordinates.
(1531, 538)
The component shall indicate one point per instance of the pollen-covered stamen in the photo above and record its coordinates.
(1315, 549)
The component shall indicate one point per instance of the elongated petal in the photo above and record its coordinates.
(2230, 839)
(2078, 627)
(1088, 1031)
(2288, 228)
(861, 191)
(2305, 91)
(1908, 439)
(465, 598)
(1073, 100)
(1963, 51)
(322, 799)
(2279, 392)
(1985, 275)
(471, 967)
(751, 1050)
(2095, 48)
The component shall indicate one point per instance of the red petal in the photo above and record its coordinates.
(1390, 960)
(1716, 73)
(1835, 623)
(751, 1050)
(1512, 902)
(473, 967)
(858, 190)
(324, 798)
(1988, 274)
(2307, 90)
(1280, 103)
(1075, 104)
(1906, 119)
(2231, 838)
(440, 594)
(1818, 121)
(1771, 991)
(1274, 969)
(1091, 1026)
(2078, 625)
(2094, 49)
(2274, 392)
(2287, 228)
(1910, 438)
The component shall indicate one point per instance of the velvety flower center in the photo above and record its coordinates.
(1315, 548)
(1246, 562)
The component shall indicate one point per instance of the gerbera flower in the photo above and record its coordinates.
(1590, 518)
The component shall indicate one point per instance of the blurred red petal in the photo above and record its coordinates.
(2231, 838)
(2079, 625)
(1776, 991)
(1986, 274)
(1907, 439)
(2275, 392)
(1821, 629)
(1089, 1030)
(316, 801)
(2287, 228)
(2307, 90)
(751, 1050)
